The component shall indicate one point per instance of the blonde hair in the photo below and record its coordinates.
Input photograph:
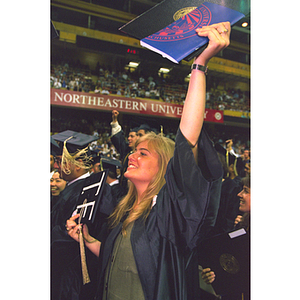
(80, 158)
(164, 147)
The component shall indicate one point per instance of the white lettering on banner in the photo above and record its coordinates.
(57, 96)
(83, 99)
(75, 98)
(92, 99)
(143, 106)
(68, 98)
(129, 104)
(166, 109)
(109, 102)
(101, 101)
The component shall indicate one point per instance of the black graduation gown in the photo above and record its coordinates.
(67, 202)
(162, 246)
(66, 274)
(229, 205)
(122, 147)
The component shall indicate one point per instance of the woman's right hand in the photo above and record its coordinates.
(73, 229)
(208, 275)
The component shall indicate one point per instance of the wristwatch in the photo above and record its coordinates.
(200, 68)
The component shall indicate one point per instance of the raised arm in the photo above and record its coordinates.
(194, 106)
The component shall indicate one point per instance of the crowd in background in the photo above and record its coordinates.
(126, 84)
(100, 126)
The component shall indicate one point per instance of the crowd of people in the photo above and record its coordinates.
(93, 126)
(162, 201)
(128, 84)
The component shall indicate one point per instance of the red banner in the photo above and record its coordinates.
(128, 105)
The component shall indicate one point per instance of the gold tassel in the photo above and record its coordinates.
(85, 274)
(227, 162)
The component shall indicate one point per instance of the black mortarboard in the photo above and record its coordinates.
(145, 127)
(54, 148)
(135, 129)
(93, 187)
(110, 164)
(95, 156)
(96, 159)
(75, 140)
(148, 124)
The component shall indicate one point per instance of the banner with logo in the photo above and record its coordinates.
(93, 101)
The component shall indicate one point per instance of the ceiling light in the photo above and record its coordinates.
(245, 24)
(133, 64)
(163, 70)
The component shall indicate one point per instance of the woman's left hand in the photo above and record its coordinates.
(218, 35)
(73, 228)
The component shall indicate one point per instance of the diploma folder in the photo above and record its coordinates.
(91, 192)
(179, 39)
(168, 11)
(228, 255)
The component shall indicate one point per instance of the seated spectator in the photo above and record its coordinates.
(104, 91)
(66, 77)
(57, 84)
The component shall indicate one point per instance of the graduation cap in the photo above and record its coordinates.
(90, 197)
(96, 159)
(111, 164)
(74, 149)
(134, 129)
(145, 127)
(95, 156)
(147, 124)
(54, 148)
(74, 140)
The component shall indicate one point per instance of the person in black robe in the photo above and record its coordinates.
(123, 147)
(208, 275)
(231, 185)
(74, 165)
(112, 179)
(171, 203)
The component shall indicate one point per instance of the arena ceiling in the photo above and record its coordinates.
(108, 15)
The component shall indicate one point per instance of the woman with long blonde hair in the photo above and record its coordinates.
(157, 225)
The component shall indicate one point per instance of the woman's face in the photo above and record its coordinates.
(57, 184)
(245, 195)
(142, 165)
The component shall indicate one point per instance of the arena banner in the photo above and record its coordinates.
(68, 98)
